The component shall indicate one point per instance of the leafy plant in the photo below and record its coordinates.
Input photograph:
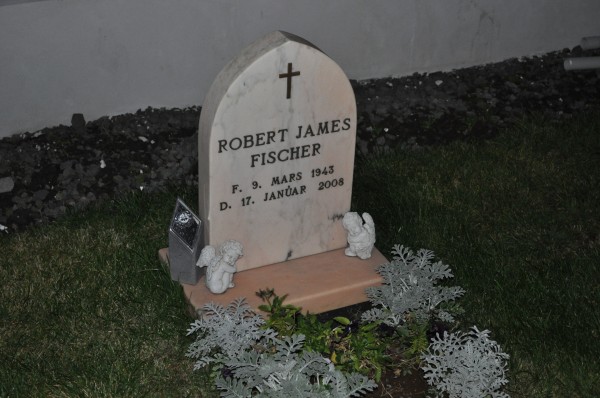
(251, 358)
(410, 291)
(465, 365)
(292, 354)
(226, 332)
(287, 319)
(412, 340)
(349, 345)
(288, 371)
(282, 318)
(359, 348)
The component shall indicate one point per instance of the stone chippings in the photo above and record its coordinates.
(476, 102)
(45, 173)
(56, 169)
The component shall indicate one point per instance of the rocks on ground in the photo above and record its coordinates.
(42, 174)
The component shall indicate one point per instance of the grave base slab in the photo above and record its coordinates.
(317, 283)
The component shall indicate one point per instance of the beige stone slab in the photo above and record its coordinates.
(317, 283)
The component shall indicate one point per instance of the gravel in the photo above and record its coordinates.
(47, 172)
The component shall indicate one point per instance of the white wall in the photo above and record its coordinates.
(105, 57)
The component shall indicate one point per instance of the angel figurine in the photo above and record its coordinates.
(220, 267)
(361, 237)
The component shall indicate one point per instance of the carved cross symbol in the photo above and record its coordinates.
(289, 76)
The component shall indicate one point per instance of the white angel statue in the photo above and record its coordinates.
(361, 237)
(220, 268)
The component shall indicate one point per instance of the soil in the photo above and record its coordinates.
(403, 386)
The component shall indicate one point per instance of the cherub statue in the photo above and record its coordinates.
(361, 238)
(220, 268)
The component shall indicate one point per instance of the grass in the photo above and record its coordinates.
(86, 309)
(518, 220)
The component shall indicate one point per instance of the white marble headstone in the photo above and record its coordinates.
(276, 152)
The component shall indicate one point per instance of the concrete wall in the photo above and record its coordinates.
(105, 57)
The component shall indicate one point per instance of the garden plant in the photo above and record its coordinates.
(252, 357)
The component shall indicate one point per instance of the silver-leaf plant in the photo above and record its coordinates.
(410, 289)
(226, 332)
(287, 371)
(465, 365)
(252, 360)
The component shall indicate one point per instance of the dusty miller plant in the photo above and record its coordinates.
(465, 365)
(410, 289)
(226, 332)
(251, 359)
(288, 371)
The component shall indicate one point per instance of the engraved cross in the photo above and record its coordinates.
(289, 76)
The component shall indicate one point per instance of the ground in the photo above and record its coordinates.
(67, 167)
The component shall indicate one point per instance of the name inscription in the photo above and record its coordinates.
(275, 137)
(297, 181)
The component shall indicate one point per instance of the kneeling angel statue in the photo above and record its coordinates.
(220, 267)
(361, 237)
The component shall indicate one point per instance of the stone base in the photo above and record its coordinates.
(317, 283)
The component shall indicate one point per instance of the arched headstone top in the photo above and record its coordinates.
(244, 60)
(276, 151)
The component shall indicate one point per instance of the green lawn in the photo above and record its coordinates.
(86, 309)
(518, 220)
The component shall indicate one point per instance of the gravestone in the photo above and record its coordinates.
(276, 145)
(276, 152)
